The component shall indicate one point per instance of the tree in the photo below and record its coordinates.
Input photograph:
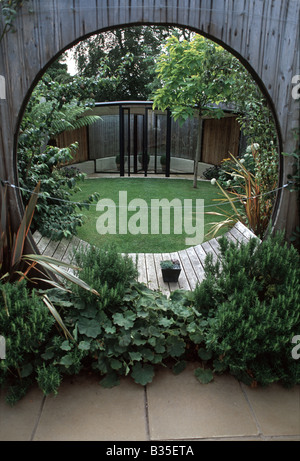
(195, 78)
(128, 55)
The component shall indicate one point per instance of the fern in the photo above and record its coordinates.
(55, 121)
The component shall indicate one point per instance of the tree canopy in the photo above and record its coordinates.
(196, 76)
(126, 55)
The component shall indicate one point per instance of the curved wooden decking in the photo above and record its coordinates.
(148, 264)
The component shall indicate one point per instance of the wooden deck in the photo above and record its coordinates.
(148, 264)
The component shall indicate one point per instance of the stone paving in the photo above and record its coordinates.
(171, 408)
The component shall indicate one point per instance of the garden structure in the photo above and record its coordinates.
(131, 137)
(264, 35)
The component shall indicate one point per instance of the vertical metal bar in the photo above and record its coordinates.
(121, 139)
(155, 142)
(128, 141)
(168, 143)
(135, 144)
(145, 150)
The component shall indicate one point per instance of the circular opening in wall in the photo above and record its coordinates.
(113, 108)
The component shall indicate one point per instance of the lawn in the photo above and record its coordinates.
(132, 230)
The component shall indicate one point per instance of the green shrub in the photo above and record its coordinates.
(241, 318)
(251, 298)
(148, 329)
(106, 271)
(128, 329)
(25, 323)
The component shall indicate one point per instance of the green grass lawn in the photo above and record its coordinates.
(146, 189)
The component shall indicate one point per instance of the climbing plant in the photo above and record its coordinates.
(8, 11)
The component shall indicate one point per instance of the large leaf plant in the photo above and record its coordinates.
(37, 269)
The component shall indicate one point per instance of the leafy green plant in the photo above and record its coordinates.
(249, 299)
(194, 75)
(26, 324)
(109, 272)
(9, 10)
(146, 330)
(251, 208)
(240, 319)
(128, 330)
(212, 172)
(16, 266)
(53, 109)
(12, 243)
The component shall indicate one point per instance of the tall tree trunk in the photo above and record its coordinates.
(198, 149)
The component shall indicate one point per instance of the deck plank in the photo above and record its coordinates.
(37, 236)
(192, 259)
(141, 265)
(183, 282)
(196, 263)
(151, 272)
(43, 243)
(188, 269)
(51, 248)
(245, 231)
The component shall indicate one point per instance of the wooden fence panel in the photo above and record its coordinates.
(220, 137)
(70, 137)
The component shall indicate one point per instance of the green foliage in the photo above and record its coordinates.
(145, 329)
(212, 172)
(250, 299)
(128, 330)
(169, 264)
(9, 11)
(48, 378)
(125, 56)
(193, 73)
(105, 269)
(56, 214)
(53, 109)
(241, 318)
(12, 243)
(25, 323)
(248, 191)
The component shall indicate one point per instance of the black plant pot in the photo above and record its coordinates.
(171, 274)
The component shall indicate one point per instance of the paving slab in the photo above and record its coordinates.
(277, 409)
(85, 411)
(180, 407)
(18, 423)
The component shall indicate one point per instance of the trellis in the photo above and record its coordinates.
(263, 34)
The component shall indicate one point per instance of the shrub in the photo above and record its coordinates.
(212, 172)
(107, 271)
(251, 298)
(56, 216)
(25, 323)
(128, 329)
(147, 329)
